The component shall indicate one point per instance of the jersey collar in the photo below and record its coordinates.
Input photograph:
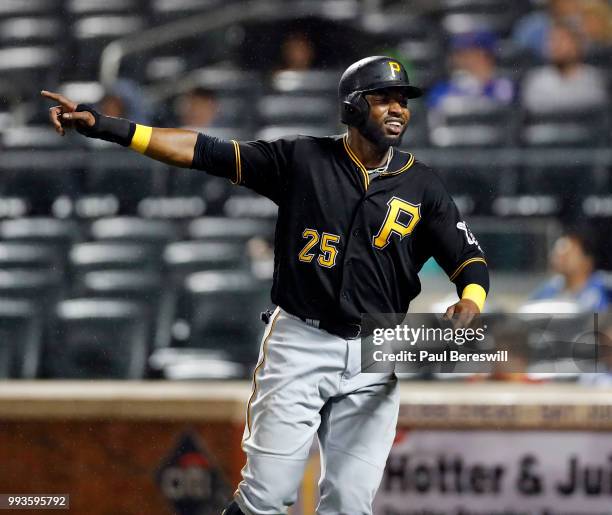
(400, 162)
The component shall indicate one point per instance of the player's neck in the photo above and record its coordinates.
(370, 155)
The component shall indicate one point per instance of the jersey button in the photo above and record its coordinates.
(346, 295)
(356, 232)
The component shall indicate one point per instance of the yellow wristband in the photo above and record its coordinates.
(141, 138)
(476, 294)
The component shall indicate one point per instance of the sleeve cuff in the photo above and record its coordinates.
(476, 294)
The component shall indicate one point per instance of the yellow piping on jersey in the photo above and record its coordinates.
(355, 159)
(464, 264)
(238, 163)
(259, 365)
(403, 168)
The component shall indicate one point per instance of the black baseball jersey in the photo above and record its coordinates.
(347, 243)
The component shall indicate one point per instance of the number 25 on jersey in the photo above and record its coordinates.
(328, 253)
(398, 209)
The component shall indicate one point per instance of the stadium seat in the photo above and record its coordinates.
(145, 288)
(461, 22)
(167, 10)
(234, 112)
(293, 109)
(129, 186)
(90, 34)
(186, 257)
(21, 331)
(102, 255)
(230, 81)
(302, 82)
(83, 92)
(570, 181)
(55, 233)
(172, 208)
(271, 132)
(28, 30)
(481, 183)
(43, 288)
(229, 132)
(180, 364)
(213, 191)
(222, 229)
(220, 311)
(29, 66)
(40, 229)
(134, 230)
(476, 135)
(106, 28)
(31, 137)
(164, 67)
(467, 111)
(10, 8)
(484, 6)
(566, 128)
(245, 203)
(97, 339)
(30, 256)
(400, 25)
(463, 122)
(88, 7)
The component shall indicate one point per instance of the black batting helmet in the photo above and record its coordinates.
(364, 76)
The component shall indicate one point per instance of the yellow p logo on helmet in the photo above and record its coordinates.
(395, 67)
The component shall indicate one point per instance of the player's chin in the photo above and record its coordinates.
(393, 140)
(382, 137)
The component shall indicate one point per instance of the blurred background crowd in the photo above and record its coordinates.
(112, 265)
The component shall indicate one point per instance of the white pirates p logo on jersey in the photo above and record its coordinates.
(462, 226)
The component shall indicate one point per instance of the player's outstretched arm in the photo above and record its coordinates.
(171, 146)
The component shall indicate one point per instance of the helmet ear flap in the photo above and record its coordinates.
(354, 109)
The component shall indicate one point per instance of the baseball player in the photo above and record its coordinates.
(357, 219)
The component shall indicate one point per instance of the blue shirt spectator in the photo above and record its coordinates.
(591, 296)
(472, 73)
(573, 260)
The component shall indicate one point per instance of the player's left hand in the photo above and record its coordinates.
(462, 313)
(65, 115)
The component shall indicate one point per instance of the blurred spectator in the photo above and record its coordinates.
(261, 255)
(472, 73)
(297, 52)
(125, 100)
(566, 83)
(197, 108)
(532, 31)
(596, 25)
(512, 336)
(573, 261)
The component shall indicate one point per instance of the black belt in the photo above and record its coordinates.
(341, 329)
